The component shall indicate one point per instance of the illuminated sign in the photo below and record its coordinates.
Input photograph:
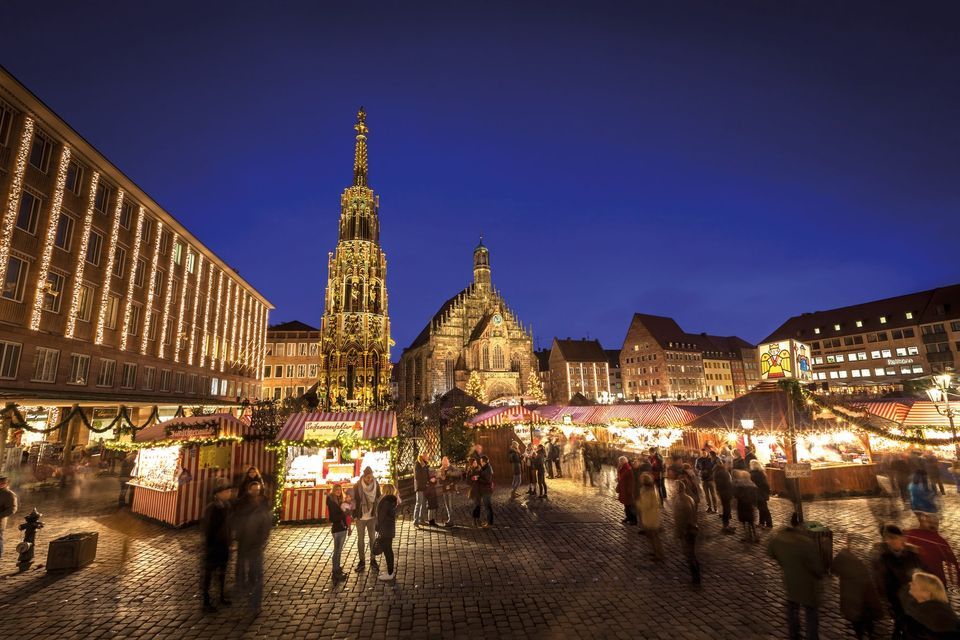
(329, 430)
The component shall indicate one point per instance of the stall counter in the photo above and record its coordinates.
(158, 504)
(829, 480)
(305, 504)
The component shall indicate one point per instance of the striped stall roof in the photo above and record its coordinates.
(649, 414)
(376, 424)
(505, 415)
(924, 413)
(225, 423)
(893, 410)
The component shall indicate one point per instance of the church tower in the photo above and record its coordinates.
(355, 330)
(481, 267)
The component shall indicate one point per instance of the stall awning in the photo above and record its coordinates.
(923, 413)
(214, 425)
(375, 424)
(505, 415)
(894, 410)
(557, 413)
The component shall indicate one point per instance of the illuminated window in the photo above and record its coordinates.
(883, 319)
(816, 330)
(178, 253)
(53, 292)
(79, 369)
(917, 369)
(9, 359)
(113, 305)
(855, 373)
(859, 323)
(836, 327)
(913, 351)
(909, 315)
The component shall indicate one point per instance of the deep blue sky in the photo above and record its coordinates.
(728, 164)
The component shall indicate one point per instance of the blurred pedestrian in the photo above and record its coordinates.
(421, 478)
(539, 463)
(387, 529)
(759, 477)
(799, 557)
(528, 455)
(704, 467)
(649, 508)
(252, 475)
(448, 477)
(931, 464)
(338, 529)
(746, 494)
(433, 500)
(900, 469)
(658, 471)
(724, 484)
(686, 529)
(485, 488)
(126, 473)
(217, 536)
(553, 457)
(738, 464)
(8, 507)
(366, 493)
(935, 553)
(625, 490)
(860, 602)
(926, 610)
(515, 463)
(254, 520)
(688, 474)
(894, 561)
(473, 477)
(922, 498)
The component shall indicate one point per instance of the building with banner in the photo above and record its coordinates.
(107, 299)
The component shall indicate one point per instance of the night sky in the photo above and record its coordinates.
(727, 164)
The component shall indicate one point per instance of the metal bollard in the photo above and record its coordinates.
(27, 547)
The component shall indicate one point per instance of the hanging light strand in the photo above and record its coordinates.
(108, 269)
(151, 290)
(13, 200)
(82, 256)
(49, 238)
(131, 278)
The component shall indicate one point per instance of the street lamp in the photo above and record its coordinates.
(941, 393)
(747, 425)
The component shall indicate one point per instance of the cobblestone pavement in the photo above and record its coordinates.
(561, 568)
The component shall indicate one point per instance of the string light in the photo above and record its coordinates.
(206, 317)
(131, 277)
(181, 310)
(82, 256)
(234, 324)
(196, 302)
(241, 347)
(214, 351)
(263, 339)
(16, 190)
(108, 271)
(151, 289)
(224, 344)
(165, 322)
(50, 238)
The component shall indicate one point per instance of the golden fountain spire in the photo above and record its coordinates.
(360, 155)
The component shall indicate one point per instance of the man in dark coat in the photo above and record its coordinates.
(254, 520)
(798, 556)
(894, 562)
(516, 464)
(421, 478)
(860, 603)
(556, 449)
(625, 490)
(217, 535)
(686, 529)
(724, 484)
(659, 471)
(485, 487)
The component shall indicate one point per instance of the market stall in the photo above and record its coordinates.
(315, 451)
(179, 461)
(498, 427)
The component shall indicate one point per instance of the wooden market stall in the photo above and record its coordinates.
(317, 450)
(178, 462)
(495, 429)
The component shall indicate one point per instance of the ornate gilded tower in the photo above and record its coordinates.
(355, 340)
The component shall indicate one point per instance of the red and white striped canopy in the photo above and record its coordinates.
(505, 415)
(893, 410)
(376, 424)
(220, 424)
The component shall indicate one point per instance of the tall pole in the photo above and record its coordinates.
(953, 427)
(791, 426)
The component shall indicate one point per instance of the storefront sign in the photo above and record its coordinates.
(785, 359)
(798, 470)
(893, 361)
(187, 434)
(329, 430)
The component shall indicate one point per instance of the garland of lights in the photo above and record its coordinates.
(82, 256)
(47, 254)
(214, 351)
(233, 325)
(108, 270)
(151, 289)
(16, 190)
(134, 261)
(225, 340)
(205, 342)
(180, 309)
(196, 302)
(156, 444)
(263, 315)
(17, 420)
(162, 338)
(242, 350)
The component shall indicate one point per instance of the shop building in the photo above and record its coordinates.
(880, 344)
(106, 298)
(291, 360)
(578, 366)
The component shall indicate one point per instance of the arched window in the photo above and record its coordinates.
(486, 357)
(498, 358)
(515, 363)
(448, 373)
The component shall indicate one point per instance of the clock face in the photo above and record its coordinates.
(497, 319)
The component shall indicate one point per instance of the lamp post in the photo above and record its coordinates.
(941, 392)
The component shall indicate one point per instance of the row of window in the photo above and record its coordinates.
(279, 393)
(865, 373)
(902, 352)
(859, 323)
(292, 348)
(277, 371)
(642, 358)
(710, 364)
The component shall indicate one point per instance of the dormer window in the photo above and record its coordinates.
(836, 327)
(883, 319)
(816, 330)
(909, 315)
(859, 323)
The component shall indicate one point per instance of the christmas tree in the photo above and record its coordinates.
(475, 387)
(535, 387)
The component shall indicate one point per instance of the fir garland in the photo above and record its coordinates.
(18, 421)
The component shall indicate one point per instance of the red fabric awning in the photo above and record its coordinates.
(376, 424)
(505, 415)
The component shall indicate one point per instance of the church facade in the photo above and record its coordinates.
(475, 342)
(355, 330)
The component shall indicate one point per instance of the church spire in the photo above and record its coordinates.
(360, 155)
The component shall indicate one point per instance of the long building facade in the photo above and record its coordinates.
(106, 297)
(355, 330)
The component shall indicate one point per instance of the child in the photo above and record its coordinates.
(433, 502)
(347, 507)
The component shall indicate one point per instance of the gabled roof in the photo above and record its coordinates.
(730, 345)
(424, 335)
(293, 325)
(580, 350)
(668, 333)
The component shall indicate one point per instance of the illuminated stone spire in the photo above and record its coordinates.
(360, 155)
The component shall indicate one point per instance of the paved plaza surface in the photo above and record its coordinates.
(561, 568)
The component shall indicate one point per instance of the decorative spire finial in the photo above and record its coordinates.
(360, 155)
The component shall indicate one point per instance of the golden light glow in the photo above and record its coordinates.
(214, 353)
(235, 323)
(131, 276)
(82, 256)
(241, 345)
(196, 303)
(167, 298)
(108, 270)
(49, 238)
(151, 289)
(183, 299)
(16, 190)
(222, 353)
(204, 342)
(265, 313)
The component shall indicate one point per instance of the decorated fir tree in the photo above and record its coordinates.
(475, 387)
(535, 388)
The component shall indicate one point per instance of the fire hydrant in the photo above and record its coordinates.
(27, 547)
